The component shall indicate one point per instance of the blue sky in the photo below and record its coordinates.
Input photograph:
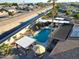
(34, 1)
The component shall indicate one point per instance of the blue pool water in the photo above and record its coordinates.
(42, 36)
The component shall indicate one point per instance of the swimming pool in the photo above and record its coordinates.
(42, 36)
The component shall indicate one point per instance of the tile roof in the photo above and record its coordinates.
(68, 49)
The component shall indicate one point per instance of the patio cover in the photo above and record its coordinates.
(44, 20)
(61, 21)
(25, 41)
(59, 18)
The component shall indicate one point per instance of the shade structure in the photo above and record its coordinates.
(59, 18)
(25, 41)
(44, 20)
(39, 49)
(61, 21)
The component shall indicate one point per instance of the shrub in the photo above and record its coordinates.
(68, 12)
(76, 16)
(5, 49)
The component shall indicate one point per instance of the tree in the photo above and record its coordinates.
(47, 16)
(14, 4)
(52, 24)
(10, 13)
(57, 7)
(54, 12)
(6, 4)
(5, 49)
(40, 4)
(68, 12)
(15, 37)
(54, 7)
(76, 16)
(9, 4)
(1, 10)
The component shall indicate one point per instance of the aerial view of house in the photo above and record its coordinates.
(39, 29)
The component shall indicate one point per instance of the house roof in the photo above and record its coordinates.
(9, 8)
(68, 49)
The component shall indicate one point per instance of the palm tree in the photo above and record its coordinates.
(52, 24)
(53, 9)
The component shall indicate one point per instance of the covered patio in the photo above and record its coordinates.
(25, 42)
(30, 48)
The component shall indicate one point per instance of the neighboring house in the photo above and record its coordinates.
(0, 7)
(14, 7)
(26, 6)
(3, 14)
(22, 6)
(10, 9)
(31, 6)
(75, 10)
(62, 8)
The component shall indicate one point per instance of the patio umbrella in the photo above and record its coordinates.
(39, 49)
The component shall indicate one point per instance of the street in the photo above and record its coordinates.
(15, 21)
